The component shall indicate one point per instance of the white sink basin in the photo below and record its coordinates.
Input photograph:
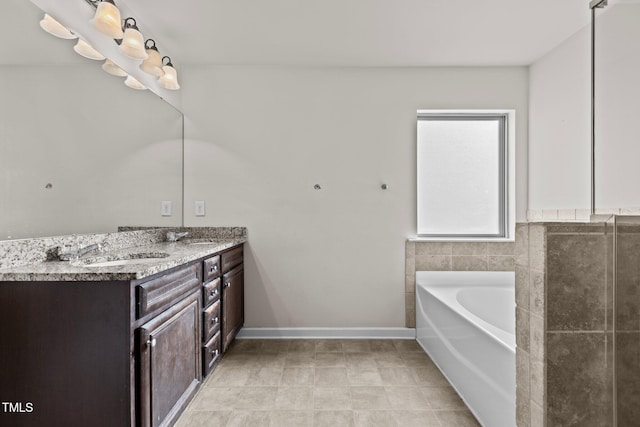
(126, 259)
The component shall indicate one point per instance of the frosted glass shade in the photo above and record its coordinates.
(107, 20)
(133, 44)
(110, 68)
(153, 64)
(55, 28)
(170, 78)
(84, 49)
(134, 84)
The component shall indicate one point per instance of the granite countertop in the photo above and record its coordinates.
(156, 256)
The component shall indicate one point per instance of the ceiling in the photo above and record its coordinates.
(385, 33)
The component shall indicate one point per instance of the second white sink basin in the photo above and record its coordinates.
(126, 259)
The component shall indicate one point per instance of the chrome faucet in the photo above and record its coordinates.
(172, 236)
(70, 252)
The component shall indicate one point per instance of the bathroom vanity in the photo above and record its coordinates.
(123, 338)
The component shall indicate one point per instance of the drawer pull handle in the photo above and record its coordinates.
(227, 285)
(213, 268)
(213, 292)
(215, 352)
(215, 320)
(151, 342)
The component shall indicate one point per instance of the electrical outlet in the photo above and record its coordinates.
(199, 208)
(165, 208)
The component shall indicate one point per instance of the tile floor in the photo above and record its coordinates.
(360, 383)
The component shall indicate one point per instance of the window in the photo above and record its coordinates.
(465, 174)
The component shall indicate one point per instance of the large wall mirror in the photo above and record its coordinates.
(79, 151)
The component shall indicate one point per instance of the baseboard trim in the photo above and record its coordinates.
(328, 333)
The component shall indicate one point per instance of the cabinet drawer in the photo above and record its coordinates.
(231, 258)
(163, 290)
(211, 321)
(211, 268)
(211, 354)
(211, 292)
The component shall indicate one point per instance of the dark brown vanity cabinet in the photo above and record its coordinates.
(223, 296)
(109, 353)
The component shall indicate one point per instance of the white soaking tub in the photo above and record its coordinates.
(465, 321)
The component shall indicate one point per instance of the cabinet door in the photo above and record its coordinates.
(232, 305)
(170, 367)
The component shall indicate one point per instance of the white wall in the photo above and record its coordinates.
(111, 154)
(259, 138)
(560, 114)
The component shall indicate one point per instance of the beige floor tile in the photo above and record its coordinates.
(360, 360)
(216, 398)
(406, 346)
(333, 419)
(364, 376)
(291, 419)
(331, 377)
(255, 398)
(407, 398)
(303, 376)
(457, 419)
(300, 359)
(417, 360)
(382, 345)
(275, 346)
(386, 359)
(397, 376)
(273, 360)
(429, 376)
(331, 398)
(369, 398)
(443, 398)
(225, 376)
(246, 346)
(329, 346)
(356, 346)
(249, 419)
(294, 398)
(264, 377)
(204, 419)
(410, 418)
(302, 346)
(374, 419)
(330, 360)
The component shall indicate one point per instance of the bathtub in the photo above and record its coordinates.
(465, 321)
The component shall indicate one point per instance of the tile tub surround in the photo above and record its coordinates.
(563, 300)
(26, 260)
(360, 383)
(451, 256)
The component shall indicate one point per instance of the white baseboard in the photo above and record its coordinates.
(329, 333)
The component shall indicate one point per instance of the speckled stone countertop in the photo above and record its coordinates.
(145, 250)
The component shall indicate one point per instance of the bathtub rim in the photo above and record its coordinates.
(451, 281)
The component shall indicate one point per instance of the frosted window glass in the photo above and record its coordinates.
(461, 176)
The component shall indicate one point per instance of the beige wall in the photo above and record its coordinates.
(259, 138)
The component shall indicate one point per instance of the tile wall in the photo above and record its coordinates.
(451, 256)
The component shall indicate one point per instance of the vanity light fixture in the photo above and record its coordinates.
(111, 68)
(85, 49)
(107, 19)
(170, 78)
(153, 64)
(133, 43)
(134, 84)
(55, 28)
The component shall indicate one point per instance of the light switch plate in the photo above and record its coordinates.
(165, 208)
(199, 208)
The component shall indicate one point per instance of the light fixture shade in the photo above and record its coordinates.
(107, 19)
(153, 64)
(84, 49)
(110, 68)
(133, 43)
(134, 84)
(55, 28)
(170, 78)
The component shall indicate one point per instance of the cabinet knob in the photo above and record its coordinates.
(151, 342)
(215, 320)
(213, 292)
(227, 285)
(213, 268)
(215, 352)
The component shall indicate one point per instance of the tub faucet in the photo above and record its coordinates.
(172, 236)
(70, 252)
